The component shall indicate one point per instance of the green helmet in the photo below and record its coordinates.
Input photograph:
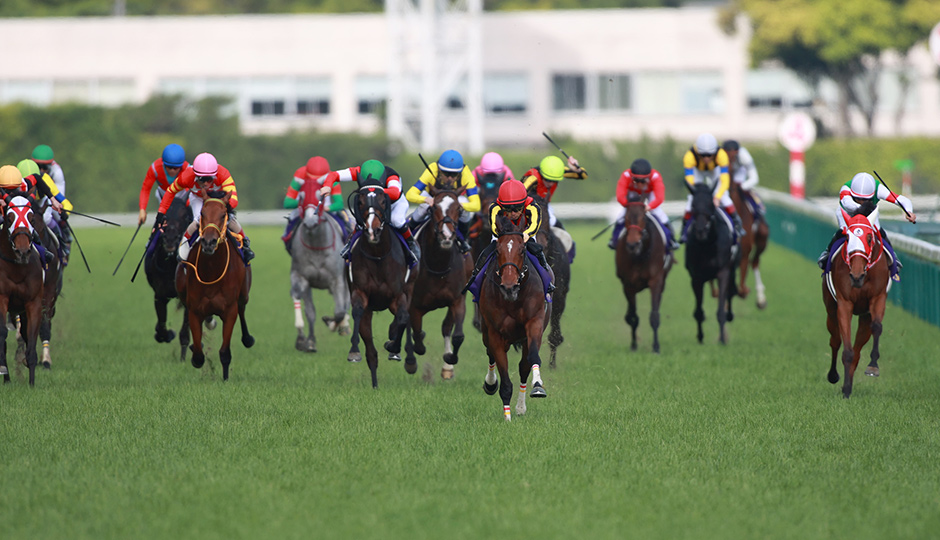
(42, 154)
(27, 167)
(552, 168)
(372, 172)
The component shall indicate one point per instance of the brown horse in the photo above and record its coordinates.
(513, 310)
(642, 262)
(215, 281)
(755, 238)
(856, 285)
(378, 278)
(481, 231)
(21, 282)
(440, 278)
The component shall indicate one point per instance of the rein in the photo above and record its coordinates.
(522, 271)
(323, 219)
(228, 259)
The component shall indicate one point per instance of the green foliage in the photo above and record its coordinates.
(748, 440)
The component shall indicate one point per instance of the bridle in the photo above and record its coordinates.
(868, 253)
(521, 271)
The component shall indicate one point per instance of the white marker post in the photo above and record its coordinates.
(797, 133)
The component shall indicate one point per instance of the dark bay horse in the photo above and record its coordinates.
(160, 267)
(513, 310)
(710, 254)
(52, 285)
(21, 282)
(856, 285)
(378, 278)
(316, 263)
(440, 278)
(215, 281)
(642, 262)
(557, 257)
(754, 242)
(481, 231)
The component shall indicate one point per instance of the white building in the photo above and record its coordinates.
(593, 74)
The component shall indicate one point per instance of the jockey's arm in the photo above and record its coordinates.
(529, 181)
(847, 202)
(228, 186)
(146, 188)
(535, 219)
(292, 199)
(414, 194)
(56, 194)
(689, 166)
(747, 162)
(393, 187)
(470, 200)
(724, 179)
(658, 189)
(343, 175)
(623, 188)
(886, 194)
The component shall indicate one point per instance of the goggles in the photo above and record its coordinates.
(513, 207)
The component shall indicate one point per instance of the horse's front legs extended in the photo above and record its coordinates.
(33, 315)
(4, 331)
(453, 336)
(656, 297)
(195, 328)
(397, 328)
(849, 361)
(372, 355)
(631, 316)
(835, 341)
(723, 301)
(225, 351)
(699, 315)
(877, 311)
(303, 298)
(359, 304)
(162, 334)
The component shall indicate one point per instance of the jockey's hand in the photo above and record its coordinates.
(717, 202)
(429, 201)
(56, 205)
(141, 216)
(525, 238)
(646, 207)
(160, 222)
(573, 163)
(912, 217)
(325, 191)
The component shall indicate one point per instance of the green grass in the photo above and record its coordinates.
(121, 440)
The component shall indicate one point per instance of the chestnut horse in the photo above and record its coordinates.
(440, 278)
(21, 282)
(710, 254)
(756, 233)
(642, 262)
(857, 284)
(378, 278)
(513, 310)
(160, 266)
(215, 281)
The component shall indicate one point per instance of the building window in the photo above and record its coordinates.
(313, 106)
(371, 93)
(613, 92)
(701, 92)
(267, 107)
(505, 93)
(568, 92)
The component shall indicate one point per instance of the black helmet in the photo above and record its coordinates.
(731, 145)
(641, 167)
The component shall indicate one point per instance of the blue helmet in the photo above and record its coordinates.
(173, 155)
(450, 161)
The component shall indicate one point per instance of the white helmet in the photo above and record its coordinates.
(706, 143)
(862, 186)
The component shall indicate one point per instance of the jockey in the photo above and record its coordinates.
(13, 185)
(492, 170)
(316, 171)
(861, 195)
(705, 162)
(543, 180)
(44, 186)
(204, 176)
(44, 158)
(374, 172)
(515, 203)
(448, 172)
(641, 178)
(743, 172)
(162, 172)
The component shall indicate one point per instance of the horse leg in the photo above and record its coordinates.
(195, 328)
(502, 367)
(304, 296)
(397, 328)
(459, 309)
(862, 334)
(760, 243)
(476, 317)
(656, 297)
(359, 304)
(418, 334)
(723, 297)
(225, 351)
(45, 334)
(340, 293)
(746, 244)
(698, 287)
(33, 316)
(4, 332)
(877, 315)
(533, 331)
(524, 369)
(162, 335)
(184, 335)
(835, 342)
(247, 339)
(631, 316)
(411, 362)
(372, 355)
(849, 362)
(555, 339)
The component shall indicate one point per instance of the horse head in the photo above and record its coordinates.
(635, 221)
(863, 245)
(178, 217)
(372, 208)
(444, 215)
(310, 209)
(18, 223)
(213, 222)
(703, 210)
(510, 258)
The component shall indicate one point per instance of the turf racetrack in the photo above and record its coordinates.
(121, 440)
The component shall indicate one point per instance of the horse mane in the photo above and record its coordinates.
(505, 225)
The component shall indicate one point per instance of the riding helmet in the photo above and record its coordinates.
(173, 155)
(552, 169)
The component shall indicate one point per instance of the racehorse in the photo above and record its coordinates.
(642, 262)
(215, 281)
(316, 263)
(378, 277)
(21, 282)
(710, 254)
(857, 284)
(160, 266)
(52, 285)
(440, 278)
(557, 257)
(481, 232)
(756, 233)
(513, 310)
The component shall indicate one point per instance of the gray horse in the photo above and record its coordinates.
(316, 263)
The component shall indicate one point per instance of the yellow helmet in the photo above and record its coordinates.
(552, 169)
(10, 176)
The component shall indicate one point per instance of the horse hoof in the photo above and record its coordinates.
(762, 305)
(393, 348)
(345, 330)
(871, 371)
(248, 341)
(490, 389)
(300, 344)
(48, 365)
(411, 367)
(538, 391)
(633, 346)
(394, 357)
(354, 357)
(451, 358)
(211, 323)
(198, 362)
(447, 374)
(729, 317)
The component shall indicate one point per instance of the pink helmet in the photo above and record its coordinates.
(205, 164)
(492, 162)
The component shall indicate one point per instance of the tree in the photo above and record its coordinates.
(840, 39)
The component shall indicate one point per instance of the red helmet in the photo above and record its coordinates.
(512, 192)
(317, 166)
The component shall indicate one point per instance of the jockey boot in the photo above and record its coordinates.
(738, 226)
(478, 265)
(183, 252)
(247, 253)
(463, 232)
(896, 265)
(289, 232)
(686, 223)
(536, 249)
(670, 239)
(414, 252)
(824, 256)
(618, 227)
